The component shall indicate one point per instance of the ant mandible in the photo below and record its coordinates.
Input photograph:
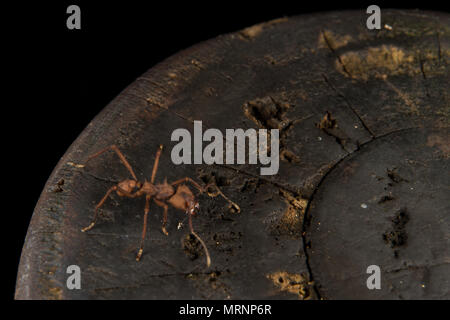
(182, 198)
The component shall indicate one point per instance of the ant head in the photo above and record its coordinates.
(129, 185)
(132, 184)
(193, 208)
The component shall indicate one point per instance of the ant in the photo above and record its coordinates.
(181, 198)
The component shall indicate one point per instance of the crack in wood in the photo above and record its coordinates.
(242, 172)
(327, 41)
(340, 94)
(307, 217)
(439, 45)
(417, 267)
(162, 275)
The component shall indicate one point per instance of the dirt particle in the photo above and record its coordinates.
(327, 122)
(192, 247)
(75, 165)
(297, 284)
(58, 188)
(266, 112)
(330, 126)
(386, 198)
(394, 176)
(197, 64)
(270, 113)
(289, 156)
(397, 236)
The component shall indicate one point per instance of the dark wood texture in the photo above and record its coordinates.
(372, 189)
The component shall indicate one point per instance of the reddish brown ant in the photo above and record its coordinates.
(182, 198)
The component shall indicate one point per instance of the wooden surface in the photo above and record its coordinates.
(372, 189)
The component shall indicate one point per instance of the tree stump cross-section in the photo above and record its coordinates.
(363, 180)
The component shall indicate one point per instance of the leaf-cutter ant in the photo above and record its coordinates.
(176, 194)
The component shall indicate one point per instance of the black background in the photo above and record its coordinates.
(62, 78)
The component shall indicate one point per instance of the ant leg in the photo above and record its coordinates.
(121, 157)
(166, 207)
(144, 228)
(98, 207)
(155, 165)
(205, 189)
(193, 182)
(208, 258)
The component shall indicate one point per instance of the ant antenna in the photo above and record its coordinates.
(208, 257)
(219, 192)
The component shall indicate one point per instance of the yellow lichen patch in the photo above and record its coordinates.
(442, 143)
(290, 223)
(418, 26)
(407, 100)
(293, 283)
(377, 62)
(253, 31)
(328, 39)
(55, 293)
(297, 202)
(390, 60)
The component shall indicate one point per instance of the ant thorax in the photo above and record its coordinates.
(147, 188)
(164, 191)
